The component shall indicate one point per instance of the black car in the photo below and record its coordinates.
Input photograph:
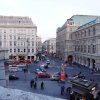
(13, 77)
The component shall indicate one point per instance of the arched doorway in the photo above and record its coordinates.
(93, 63)
(70, 59)
(88, 60)
(21, 57)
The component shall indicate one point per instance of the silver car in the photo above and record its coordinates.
(55, 76)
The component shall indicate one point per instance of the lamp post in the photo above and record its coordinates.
(6, 73)
(26, 69)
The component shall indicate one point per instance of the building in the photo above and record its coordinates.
(44, 46)
(86, 44)
(64, 43)
(80, 88)
(18, 35)
(50, 46)
(3, 57)
(38, 44)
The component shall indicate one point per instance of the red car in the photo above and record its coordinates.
(43, 75)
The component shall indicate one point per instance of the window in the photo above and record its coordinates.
(18, 50)
(88, 48)
(89, 32)
(76, 36)
(84, 48)
(32, 50)
(24, 50)
(14, 50)
(84, 33)
(10, 43)
(18, 37)
(81, 48)
(10, 50)
(94, 49)
(14, 43)
(94, 31)
(4, 36)
(32, 43)
(28, 43)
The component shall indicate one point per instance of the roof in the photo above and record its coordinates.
(82, 19)
(79, 20)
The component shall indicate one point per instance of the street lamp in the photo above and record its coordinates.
(26, 69)
(6, 73)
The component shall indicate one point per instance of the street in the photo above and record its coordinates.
(51, 88)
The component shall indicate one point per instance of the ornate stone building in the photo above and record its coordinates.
(63, 43)
(79, 38)
(86, 44)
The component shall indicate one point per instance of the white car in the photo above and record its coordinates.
(55, 76)
(12, 69)
(48, 62)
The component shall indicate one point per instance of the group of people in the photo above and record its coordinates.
(33, 84)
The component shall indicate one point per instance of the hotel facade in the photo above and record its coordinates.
(18, 35)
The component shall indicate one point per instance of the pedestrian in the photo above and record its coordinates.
(42, 85)
(36, 78)
(35, 85)
(68, 90)
(31, 83)
(62, 90)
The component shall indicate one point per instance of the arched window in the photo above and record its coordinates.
(89, 32)
(84, 33)
(94, 31)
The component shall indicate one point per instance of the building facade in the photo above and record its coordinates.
(38, 44)
(86, 44)
(50, 46)
(64, 44)
(18, 35)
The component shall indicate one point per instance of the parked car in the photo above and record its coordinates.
(44, 66)
(37, 71)
(20, 68)
(12, 69)
(43, 75)
(42, 69)
(13, 77)
(48, 62)
(55, 76)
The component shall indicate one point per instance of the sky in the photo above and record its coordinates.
(48, 15)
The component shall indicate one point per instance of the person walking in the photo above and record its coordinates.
(62, 90)
(35, 85)
(36, 78)
(42, 85)
(31, 83)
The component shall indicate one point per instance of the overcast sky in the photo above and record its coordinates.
(49, 14)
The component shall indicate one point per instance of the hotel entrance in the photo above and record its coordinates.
(21, 57)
